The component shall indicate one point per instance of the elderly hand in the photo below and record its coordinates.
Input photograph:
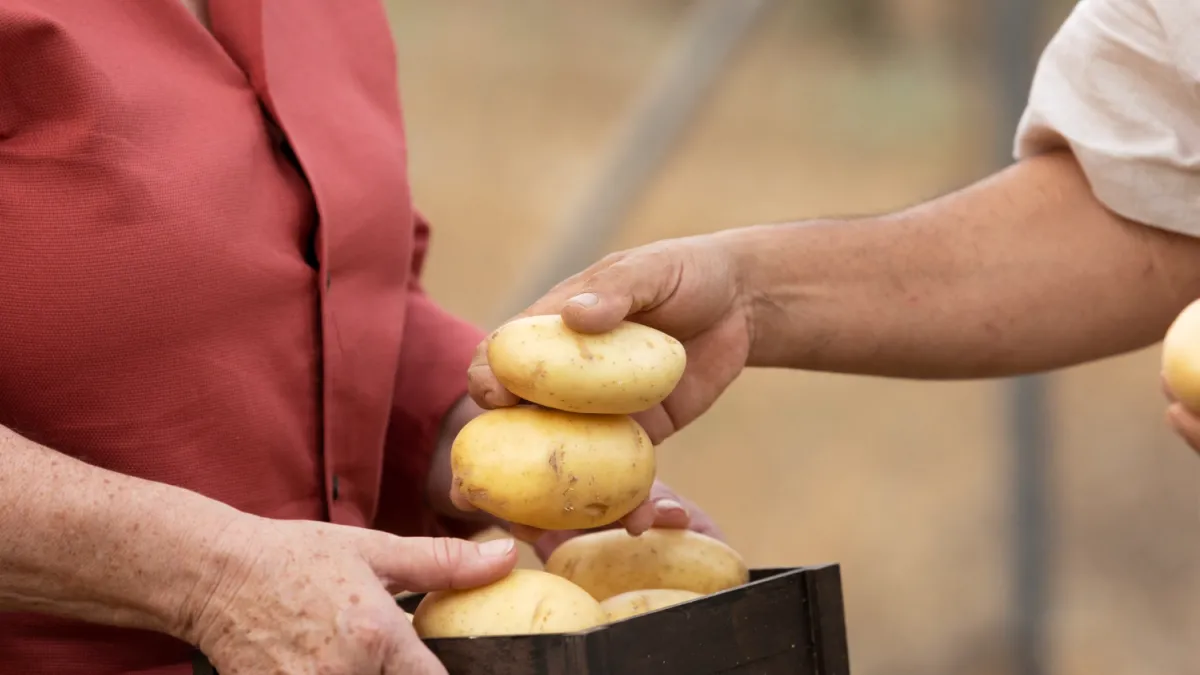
(1186, 423)
(307, 597)
(689, 288)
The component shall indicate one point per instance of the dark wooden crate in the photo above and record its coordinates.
(784, 622)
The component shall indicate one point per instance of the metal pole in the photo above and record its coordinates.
(1014, 23)
(666, 105)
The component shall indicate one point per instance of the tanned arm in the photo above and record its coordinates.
(1023, 271)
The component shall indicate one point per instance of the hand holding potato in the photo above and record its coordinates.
(687, 288)
(591, 580)
(309, 597)
(575, 459)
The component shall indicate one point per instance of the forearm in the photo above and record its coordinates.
(1022, 272)
(87, 543)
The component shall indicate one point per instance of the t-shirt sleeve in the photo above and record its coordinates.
(1117, 85)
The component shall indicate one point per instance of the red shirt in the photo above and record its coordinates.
(188, 297)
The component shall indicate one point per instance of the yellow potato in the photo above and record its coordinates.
(626, 370)
(553, 470)
(633, 603)
(523, 603)
(612, 562)
(1181, 356)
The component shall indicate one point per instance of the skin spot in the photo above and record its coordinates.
(354, 599)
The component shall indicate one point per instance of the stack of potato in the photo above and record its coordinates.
(573, 458)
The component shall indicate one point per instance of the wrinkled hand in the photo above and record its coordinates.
(1186, 423)
(688, 288)
(304, 598)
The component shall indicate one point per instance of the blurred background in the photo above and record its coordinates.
(957, 554)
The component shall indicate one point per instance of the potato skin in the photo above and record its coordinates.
(626, 370)
(526, 602)
(1181, 356)
(633, 603)
(553, 470)
(612, 562)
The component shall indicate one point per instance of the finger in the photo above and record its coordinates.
(423, 564)
(484, 388)
(458, 499)
(640, 519)
(1166, 389)
(549, 541)
(670, 514)
(656, 422)
(1185, 424)
(636, 283)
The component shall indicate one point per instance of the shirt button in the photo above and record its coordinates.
(336, 492)
(328, 280)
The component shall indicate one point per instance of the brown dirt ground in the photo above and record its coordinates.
(905, 484)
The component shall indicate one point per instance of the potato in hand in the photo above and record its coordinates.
(620, 372)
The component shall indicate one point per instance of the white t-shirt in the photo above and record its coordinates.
(1120, 85)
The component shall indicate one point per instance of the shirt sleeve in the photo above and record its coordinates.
(430, 379)
(1117, 86)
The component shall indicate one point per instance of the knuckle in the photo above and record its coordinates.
(369, 632)
(448, 554)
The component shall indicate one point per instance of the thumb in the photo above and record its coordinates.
(423, 564)
(635, 284)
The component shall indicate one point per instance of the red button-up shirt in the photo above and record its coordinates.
(193, 295)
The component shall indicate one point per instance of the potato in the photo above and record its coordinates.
(1181, 356)
(553, 470)
(523, 603)
(626, 370)
(612, 562)
(633, 603)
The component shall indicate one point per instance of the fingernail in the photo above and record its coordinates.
(496, 548)
(664, 505)
(585, 300)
